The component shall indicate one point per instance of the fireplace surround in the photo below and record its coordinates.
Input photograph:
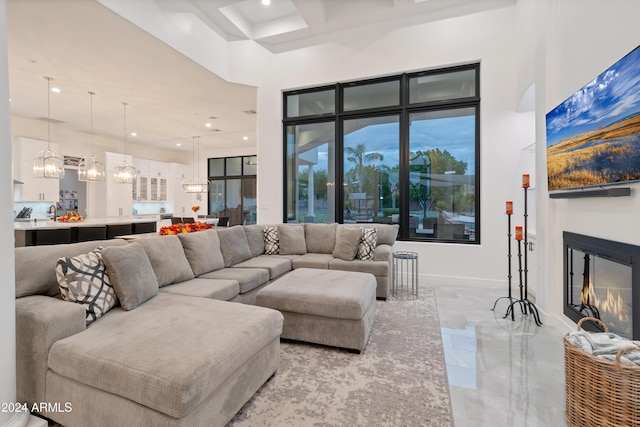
(602, 280)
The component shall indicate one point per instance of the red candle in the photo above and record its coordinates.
(518, 232)
(509, 207)
(525, 180)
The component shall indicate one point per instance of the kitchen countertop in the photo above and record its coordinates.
(47, 224)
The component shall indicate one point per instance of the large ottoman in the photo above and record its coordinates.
(327, 307)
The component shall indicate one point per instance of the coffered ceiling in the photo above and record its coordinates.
(85, 46)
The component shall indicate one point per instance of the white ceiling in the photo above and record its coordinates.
(84, 46)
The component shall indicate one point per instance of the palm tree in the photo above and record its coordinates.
(358, 156)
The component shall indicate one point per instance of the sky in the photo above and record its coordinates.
(454, 134)
(611, 96)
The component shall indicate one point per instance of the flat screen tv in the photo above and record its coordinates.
(593, 137)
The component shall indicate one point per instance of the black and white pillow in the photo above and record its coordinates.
(83, 279)
(271, 240)
(367, 244)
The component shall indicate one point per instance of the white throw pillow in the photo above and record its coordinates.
(83, 279)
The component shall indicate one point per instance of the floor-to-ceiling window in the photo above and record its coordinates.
(401, 149)
(232, 192)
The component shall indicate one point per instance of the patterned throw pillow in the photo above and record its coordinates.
(83, 279)
(271, 240)
(367, 244)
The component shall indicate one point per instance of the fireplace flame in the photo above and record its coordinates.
(611, 303)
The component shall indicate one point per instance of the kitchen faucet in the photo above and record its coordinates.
(53, 211)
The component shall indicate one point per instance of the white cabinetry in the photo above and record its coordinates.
(34, 189)
(180, 200)
(151, 182)
(118, 196)
(158, 175)
(140, 186)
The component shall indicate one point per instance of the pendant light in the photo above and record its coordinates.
(124, 172)
(195, 184)
(48, 163)
(91, 168)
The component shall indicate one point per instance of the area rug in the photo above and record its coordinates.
(399, 380)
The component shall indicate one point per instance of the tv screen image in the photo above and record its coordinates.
(593, 137)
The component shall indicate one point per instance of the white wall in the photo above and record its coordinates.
(492, 38)
(7, 291)
(583, 38)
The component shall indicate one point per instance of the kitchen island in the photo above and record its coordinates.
(50, 232)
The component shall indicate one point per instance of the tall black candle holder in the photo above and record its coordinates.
(526, 306)
(509, 296)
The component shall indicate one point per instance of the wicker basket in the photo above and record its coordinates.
(599, 392)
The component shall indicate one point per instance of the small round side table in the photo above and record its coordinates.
(405, 275)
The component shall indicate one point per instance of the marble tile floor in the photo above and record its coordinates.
(501, 372)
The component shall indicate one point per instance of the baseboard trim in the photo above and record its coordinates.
(461, 281)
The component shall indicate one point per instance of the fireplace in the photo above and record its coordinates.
(602, 280)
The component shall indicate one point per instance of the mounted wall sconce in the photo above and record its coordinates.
(91, 168)
(124, 172)
(195, 184)
(47, 163)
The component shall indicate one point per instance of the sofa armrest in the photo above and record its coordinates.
(40, 322)
(383, 253)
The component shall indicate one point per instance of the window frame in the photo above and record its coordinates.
(404, 110)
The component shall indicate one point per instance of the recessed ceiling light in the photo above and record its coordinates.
(178, 144)
(55, 90)
(133, 134)
(207, 125)
(266, 2)
(245, 138)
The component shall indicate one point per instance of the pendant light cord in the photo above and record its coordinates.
(125, 129)
(91, 121)
(48, 112)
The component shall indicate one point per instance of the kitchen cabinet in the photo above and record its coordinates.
(158, 175)
(176, 195)
(34, 189)
(151, 182)
(118, 196)
(139, 188)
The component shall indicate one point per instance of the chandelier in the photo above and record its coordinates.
(91, 168)
(47, 163)
(124, 173)
(195, 184)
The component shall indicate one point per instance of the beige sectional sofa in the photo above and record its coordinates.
(174, 352)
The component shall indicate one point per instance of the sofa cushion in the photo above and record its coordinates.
(320, 238)
(233, 245)
(219, 289)
(255, 238)
(292, 240)
(312, 261)
(35, 274)
(154, 363)
(338, 295)
(83, 279)
(367, 244)
(276, 265)
(347, 241)
(202, 250)
(167, 258)
(271, 240)
(377, 268)
(247, 278)
(131, 274)
(387, 233)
